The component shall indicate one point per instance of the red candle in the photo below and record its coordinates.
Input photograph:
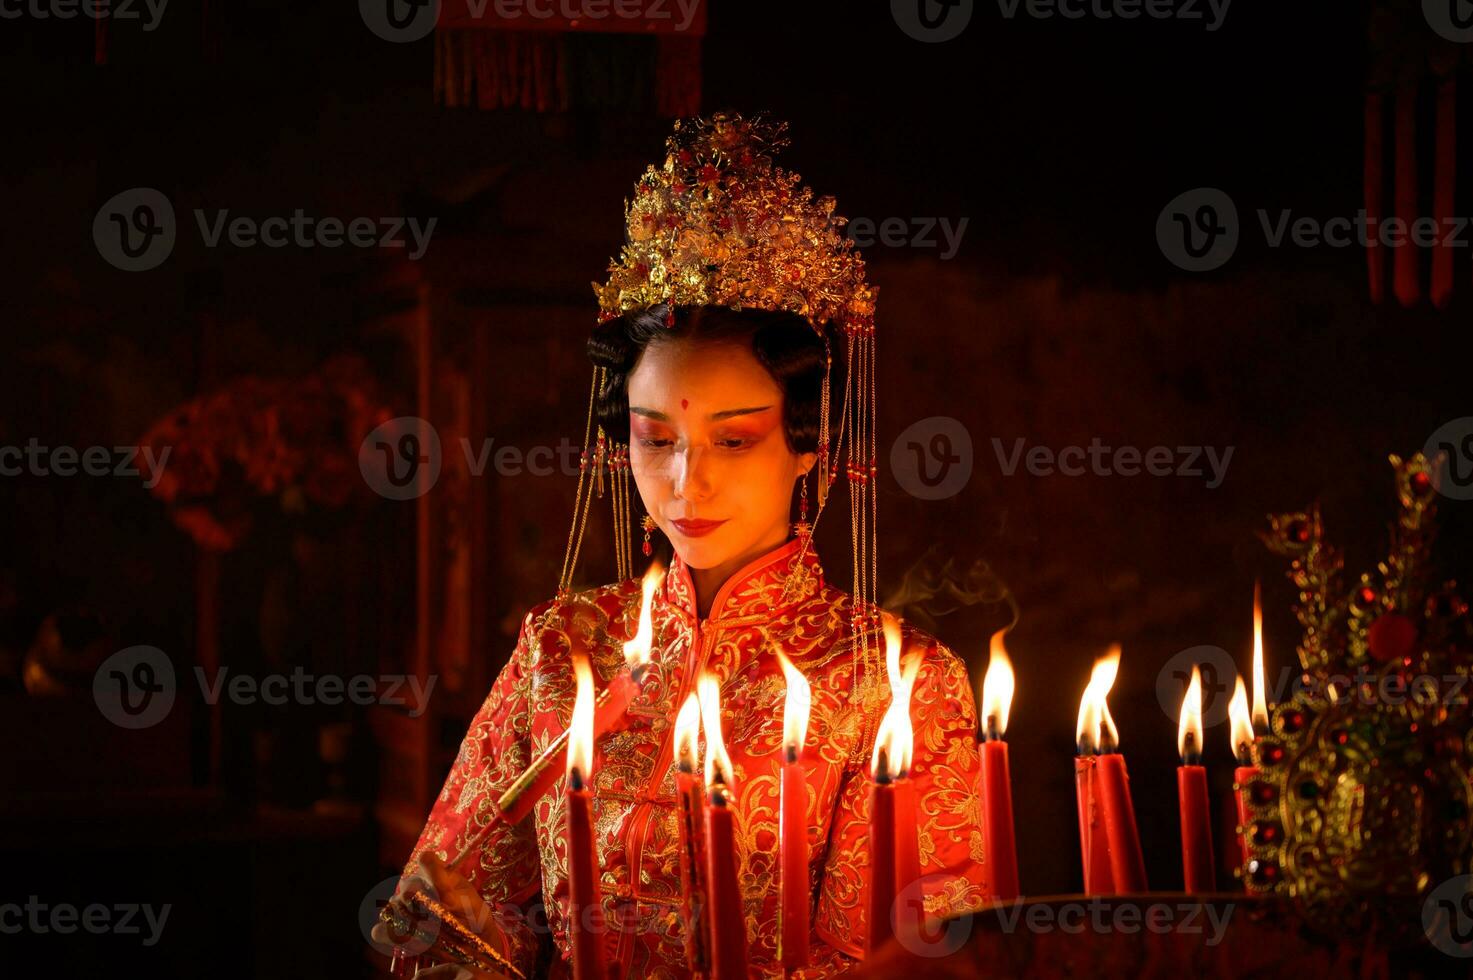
(1245, 727)
(690, 802)
(583, 896)
(997, 788)
(1093, 727)
(1094, 846)
(882, 889)
(1198, 866)
(1127, 866)
(796, 893)
(727, 916)
(892, 810)
(610, 714)
(910, 914)
(1241, 727)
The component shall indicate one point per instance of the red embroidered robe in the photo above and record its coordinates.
(634, 785)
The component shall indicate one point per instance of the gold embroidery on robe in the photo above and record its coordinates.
(633, 780)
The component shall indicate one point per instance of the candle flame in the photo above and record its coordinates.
(1240, 723)
(688, 732)
(1189, 725)
(637, 650)
(796, 706)
(1096, 728)
(997, 688)
(895, 738)
(718, 763)
(580, 726)
(1260, 699)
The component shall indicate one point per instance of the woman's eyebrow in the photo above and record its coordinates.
(650, 413)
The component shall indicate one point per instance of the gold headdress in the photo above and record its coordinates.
(718, 225)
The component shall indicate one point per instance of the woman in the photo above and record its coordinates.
(724, 412)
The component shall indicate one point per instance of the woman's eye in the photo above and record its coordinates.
(734, 443)
(654, 443)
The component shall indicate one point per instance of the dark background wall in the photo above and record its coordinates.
(1058, 320)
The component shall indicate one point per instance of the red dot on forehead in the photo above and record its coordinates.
(684, 403)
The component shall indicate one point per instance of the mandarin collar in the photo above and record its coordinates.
(755, 590)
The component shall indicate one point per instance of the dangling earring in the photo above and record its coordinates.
(802, 528)
(648, 523)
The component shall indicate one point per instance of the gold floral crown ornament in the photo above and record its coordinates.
(1363, 802)
(717, 224)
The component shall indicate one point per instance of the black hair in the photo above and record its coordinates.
(784, 343)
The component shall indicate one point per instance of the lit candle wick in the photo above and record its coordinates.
(1191, 755)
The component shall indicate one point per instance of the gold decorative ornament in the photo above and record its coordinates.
(1362, 802)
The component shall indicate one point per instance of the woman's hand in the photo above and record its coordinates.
(462, 900)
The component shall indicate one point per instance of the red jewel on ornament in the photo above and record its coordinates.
(647, 548)
(1421, 483)
(669, 318)
(1391, 637)
(1299, 532)
(1365, 596)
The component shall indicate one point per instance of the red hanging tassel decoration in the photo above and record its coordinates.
(1375, 193)
(99, 34)
(1445, 185)
(1408, 288)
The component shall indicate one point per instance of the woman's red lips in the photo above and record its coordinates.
(694, 529)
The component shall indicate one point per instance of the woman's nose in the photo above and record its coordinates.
(692, 480)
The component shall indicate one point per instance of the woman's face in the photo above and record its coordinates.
(706, 444)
